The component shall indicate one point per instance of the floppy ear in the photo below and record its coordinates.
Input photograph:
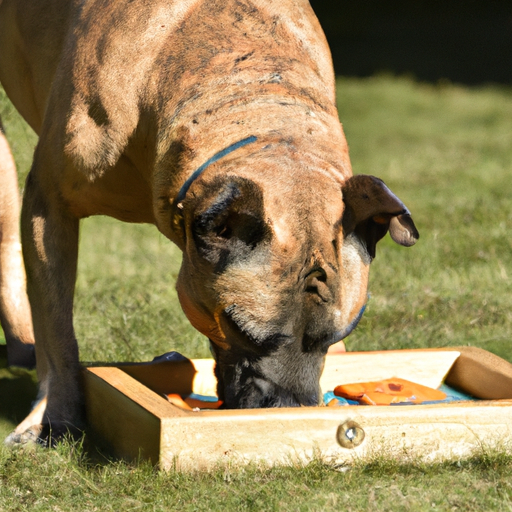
(371, 209)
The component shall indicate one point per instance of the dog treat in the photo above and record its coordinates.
(178, 401)
(392, 391)
(194, 402)
(203, 402)
(389, 391)
(331, 400)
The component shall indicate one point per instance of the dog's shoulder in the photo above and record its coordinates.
(111, 53)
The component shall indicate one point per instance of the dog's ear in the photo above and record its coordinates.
(371, 209)
(230, 220)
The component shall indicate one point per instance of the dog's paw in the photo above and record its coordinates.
(30, 436)
(46, 435)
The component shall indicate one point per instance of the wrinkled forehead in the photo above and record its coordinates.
(304, 205)
(296, 190)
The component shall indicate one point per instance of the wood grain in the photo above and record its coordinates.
(137, 422)
(426, 367)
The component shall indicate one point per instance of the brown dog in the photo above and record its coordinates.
(215, 120)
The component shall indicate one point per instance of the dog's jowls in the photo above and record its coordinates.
(214, 120)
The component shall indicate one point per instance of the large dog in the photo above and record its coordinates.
(214, 120)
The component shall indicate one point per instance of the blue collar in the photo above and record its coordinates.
(221, 154)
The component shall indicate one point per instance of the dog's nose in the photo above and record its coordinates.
(320, 278)
(315, 276)
(316, 283)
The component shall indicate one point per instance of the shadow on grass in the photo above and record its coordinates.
(18, 389)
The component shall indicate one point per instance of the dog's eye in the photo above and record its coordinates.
(241, 226)
(225, 232)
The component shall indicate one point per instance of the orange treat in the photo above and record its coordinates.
(178, 401)
(351, 391)
(335, 403)
(389, 391)
(377, 398)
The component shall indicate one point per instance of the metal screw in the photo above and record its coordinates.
(350, 434)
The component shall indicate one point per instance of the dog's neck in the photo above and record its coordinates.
(221, 154)
(196, 144)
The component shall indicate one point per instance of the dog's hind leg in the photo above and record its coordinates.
(50, 247)
(14, 306)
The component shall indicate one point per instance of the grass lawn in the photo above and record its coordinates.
(446, 151)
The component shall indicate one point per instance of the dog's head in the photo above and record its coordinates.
(275, 270)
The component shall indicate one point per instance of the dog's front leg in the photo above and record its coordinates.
(50, 245)
(14, 308)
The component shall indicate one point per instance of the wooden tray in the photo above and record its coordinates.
(126, 410)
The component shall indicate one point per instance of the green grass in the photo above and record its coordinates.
(65, 481)
(445, 151)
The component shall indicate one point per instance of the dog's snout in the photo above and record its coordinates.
(316, 282)
(320, 278)
(317, 274)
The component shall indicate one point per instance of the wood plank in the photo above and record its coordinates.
(138, 422)
(428, 432)
(136, 392)
(128, 430)
(124, 414)
(164, 376)
(426, 367)
(481, 374)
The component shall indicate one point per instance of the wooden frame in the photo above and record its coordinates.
(126, 409)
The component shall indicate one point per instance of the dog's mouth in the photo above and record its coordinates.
(270, 368)
(252, 383)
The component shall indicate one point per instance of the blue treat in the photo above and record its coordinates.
(452, 395)
(331, 396)
(203, 398)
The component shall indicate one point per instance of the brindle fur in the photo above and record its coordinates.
(129, 97)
